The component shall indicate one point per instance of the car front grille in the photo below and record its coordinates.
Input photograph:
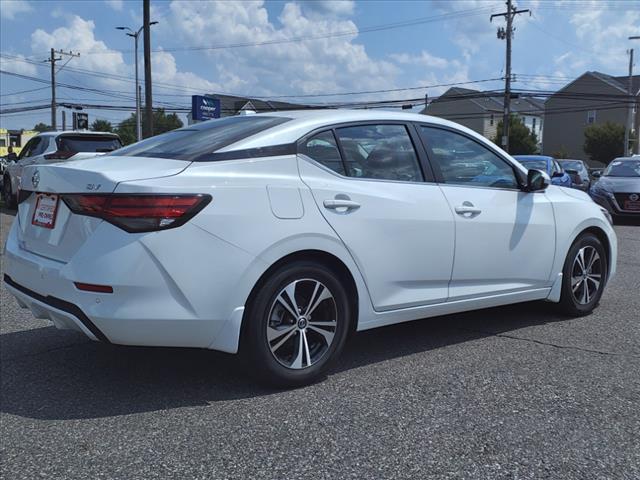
(629, 202)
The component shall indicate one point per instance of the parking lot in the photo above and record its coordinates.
(513, 392)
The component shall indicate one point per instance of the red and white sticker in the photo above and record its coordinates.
(45, 212)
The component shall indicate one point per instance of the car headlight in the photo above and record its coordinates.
(598, 190)
(607, 215)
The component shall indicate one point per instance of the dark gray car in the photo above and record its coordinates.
(618, 189)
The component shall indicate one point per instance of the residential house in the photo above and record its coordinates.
(592, 98)
(481, 111)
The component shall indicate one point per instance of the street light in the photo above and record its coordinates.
(135, 35)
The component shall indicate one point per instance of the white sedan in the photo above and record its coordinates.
(275, 235)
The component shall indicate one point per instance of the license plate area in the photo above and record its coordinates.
(46, 209)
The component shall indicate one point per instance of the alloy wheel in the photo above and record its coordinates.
(302, 323)
(586, 275)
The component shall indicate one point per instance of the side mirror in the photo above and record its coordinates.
(596, 173)
(559, 173)
(537, 180)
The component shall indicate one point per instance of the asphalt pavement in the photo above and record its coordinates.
(517, 392)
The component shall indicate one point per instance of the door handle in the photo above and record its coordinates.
(340, 203)
(467, 210)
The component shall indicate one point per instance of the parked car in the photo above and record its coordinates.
(264, 235)
(578, 172)
(546, 164)
(618, 189)
(53, 147)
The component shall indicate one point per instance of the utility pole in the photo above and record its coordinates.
(507, 34)
(627, 129)
(148, 98)
(135, 35)
(53, 59)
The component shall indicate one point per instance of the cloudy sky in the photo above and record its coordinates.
(306, 49)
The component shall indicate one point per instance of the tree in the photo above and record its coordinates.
(521, 140)
(42, 127)
(161, 123)
(101, 126)
(604, 142)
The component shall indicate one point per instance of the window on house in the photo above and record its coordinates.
(491, 120)
(533, 124)
(591, 116)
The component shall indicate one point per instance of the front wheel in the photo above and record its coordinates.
(297, 325)
(584, 276)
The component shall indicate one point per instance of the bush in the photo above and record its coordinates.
(604, 142)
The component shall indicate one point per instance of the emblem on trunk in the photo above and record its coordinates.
(35, 179)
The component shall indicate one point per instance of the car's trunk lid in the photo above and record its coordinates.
(61, 237)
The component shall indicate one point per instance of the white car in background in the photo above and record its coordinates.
(275, 235)
(53, 147)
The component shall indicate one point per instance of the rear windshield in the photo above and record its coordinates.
(196, 142)
(88, 143)
(572, 165)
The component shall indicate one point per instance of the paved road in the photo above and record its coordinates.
(514, 392)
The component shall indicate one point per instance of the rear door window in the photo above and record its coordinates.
(323, 149)
(383, 152)
(87, 143)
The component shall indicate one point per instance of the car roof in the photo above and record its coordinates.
(533, 157)
(75, 132)
(624, 159)
(301, 122)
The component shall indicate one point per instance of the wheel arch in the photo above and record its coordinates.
(336, 265)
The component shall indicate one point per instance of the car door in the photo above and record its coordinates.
(370, 186)
(505, 237)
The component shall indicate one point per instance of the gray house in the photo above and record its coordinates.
(481, 111)
(592, 98)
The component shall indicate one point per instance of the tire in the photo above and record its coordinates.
(321, 325)
(583, 287)
(7, 195)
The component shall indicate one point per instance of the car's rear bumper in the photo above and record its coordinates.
(160, 297)
(64, 315)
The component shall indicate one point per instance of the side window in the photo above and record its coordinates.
(28, 149)
(462, 161)
(40, 147)
(323, 149)
(379, 151)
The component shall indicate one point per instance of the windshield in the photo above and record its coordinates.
(625, 168)
(195, 142)
(537, 164)
(88, 143)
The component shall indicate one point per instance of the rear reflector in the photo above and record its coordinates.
(89, 287)
(138, 213)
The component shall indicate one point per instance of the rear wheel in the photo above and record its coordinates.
(7, 193)
(297, 325)
(584, 276)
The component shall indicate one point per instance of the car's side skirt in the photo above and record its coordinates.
(457, 306)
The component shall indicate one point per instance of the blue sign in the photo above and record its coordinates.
(204, 108)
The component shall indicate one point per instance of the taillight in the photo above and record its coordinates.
(59, 155)
(138, 213)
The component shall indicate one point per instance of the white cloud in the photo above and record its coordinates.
(115, 4)
(9, 9)
(18, 65)
(304, 67)
(424, 59)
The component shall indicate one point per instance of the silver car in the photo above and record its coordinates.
(53, 147)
